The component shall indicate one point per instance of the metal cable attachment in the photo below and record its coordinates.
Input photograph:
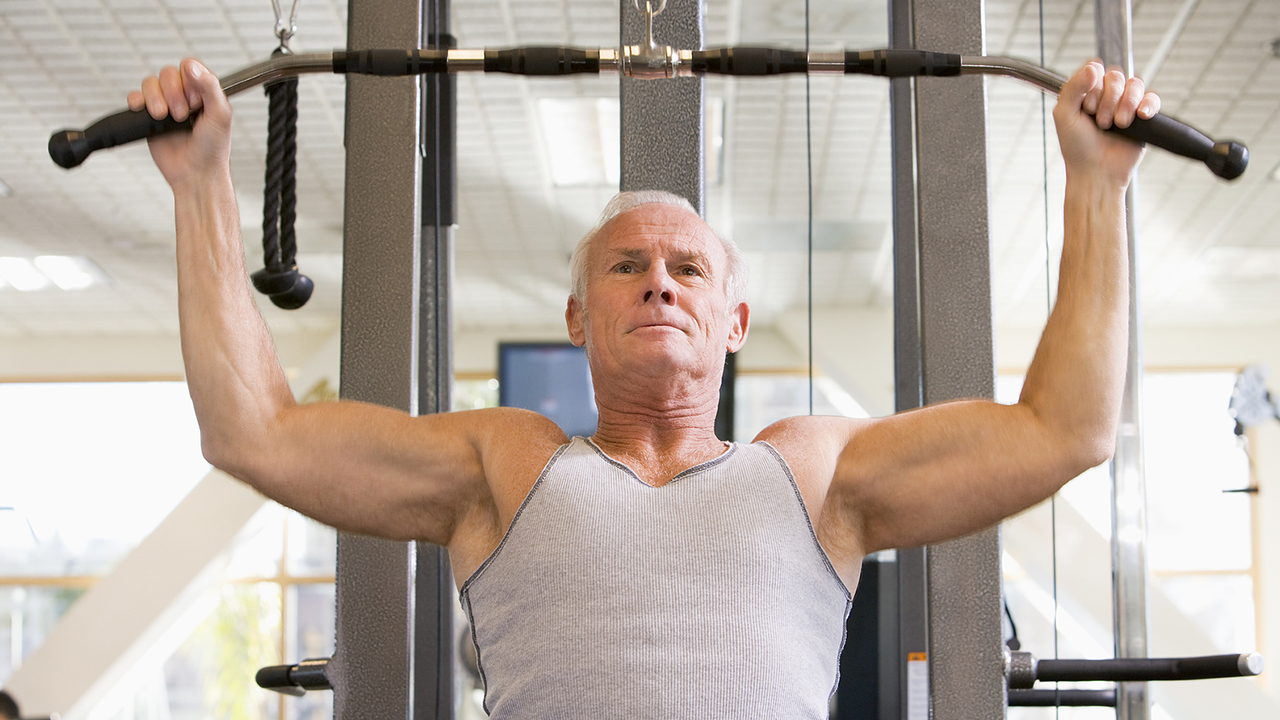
(285, 29)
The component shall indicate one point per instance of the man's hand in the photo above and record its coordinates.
(181, 92)
(1095, 98)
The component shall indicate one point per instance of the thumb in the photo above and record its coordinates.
(1074, 92)
(202, 87)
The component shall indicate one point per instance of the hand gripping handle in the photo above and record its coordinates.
(1226, 159)
(69, 148)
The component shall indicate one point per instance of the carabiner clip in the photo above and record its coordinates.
(286, 29)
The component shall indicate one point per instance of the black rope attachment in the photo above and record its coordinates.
(280, 279)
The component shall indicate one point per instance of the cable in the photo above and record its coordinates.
(808, 152)
(1048, 302)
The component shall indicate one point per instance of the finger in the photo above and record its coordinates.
(1149, 106)
(1132, 95)
(1113, 85)
(154, 98)
(136, 101)
(174, 97)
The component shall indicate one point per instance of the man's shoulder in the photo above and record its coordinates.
(810, 431)
(502, 422)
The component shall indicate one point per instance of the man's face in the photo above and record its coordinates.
(655, 299)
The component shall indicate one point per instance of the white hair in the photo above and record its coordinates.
(735, 279)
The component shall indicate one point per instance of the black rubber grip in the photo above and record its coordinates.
(1140, 669)
(542, 61)
(1226, 159)
(69, 148)
(276, 677)
(1062, 698)
(391, 63)
(901, 63)
(746, 61)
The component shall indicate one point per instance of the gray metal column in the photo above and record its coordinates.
(662, 120)
(370, 670)
(956, 356)
(1113, 19)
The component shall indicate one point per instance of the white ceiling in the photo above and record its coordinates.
(1210, 250)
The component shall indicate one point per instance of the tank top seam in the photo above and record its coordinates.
(555, 458)
(813, 534)
(826, 559)
(475, 642)
(700, 467)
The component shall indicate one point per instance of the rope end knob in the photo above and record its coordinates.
(288, 289)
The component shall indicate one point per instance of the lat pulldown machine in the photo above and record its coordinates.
(650, 61)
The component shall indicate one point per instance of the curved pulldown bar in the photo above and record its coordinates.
(69, 148)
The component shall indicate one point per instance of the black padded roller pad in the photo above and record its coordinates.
(69, 148)
(1141, 669)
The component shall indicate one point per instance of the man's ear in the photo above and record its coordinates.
(573, 319)
(738, 322)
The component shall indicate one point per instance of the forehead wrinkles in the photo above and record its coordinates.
(682, 238)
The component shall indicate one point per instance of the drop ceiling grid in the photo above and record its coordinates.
(107, 200)
(520, 195)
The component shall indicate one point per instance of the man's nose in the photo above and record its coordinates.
(660, 288)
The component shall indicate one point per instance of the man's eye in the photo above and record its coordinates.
(690, 271)
(625, 268)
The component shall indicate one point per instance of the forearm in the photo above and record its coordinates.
(1075, 381)
(235, 380)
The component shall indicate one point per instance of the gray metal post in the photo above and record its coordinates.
(662, 120)
(370, 670)
(1128, 484)
(956, 356)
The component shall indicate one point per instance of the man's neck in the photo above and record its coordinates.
(658, 434)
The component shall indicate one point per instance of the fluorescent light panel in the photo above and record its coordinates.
(582, 140)
(68, 272)
(584, 145)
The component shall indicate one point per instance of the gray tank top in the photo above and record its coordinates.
(709, 597)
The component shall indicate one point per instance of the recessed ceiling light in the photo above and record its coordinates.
(21, 274)
(582, 140)
(69, 272)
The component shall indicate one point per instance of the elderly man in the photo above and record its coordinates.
(651, 566)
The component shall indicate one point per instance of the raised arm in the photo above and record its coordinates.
(951, 469)
(358, 467)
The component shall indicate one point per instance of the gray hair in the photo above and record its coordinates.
(735, 280)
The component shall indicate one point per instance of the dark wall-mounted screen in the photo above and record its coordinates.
(549, 378)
